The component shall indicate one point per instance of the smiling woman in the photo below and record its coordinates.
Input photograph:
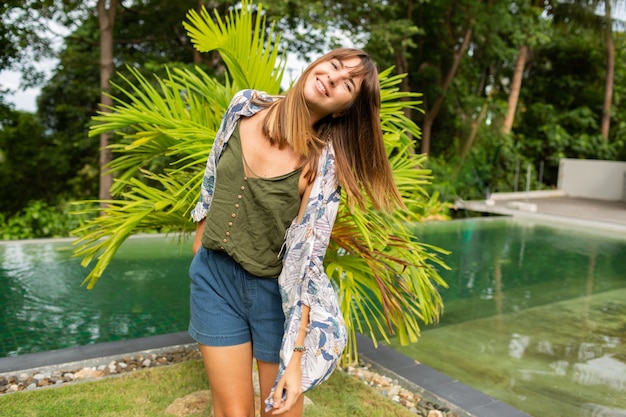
(326, 130)
(331, 87)
(183, 116)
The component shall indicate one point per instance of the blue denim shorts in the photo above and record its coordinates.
(230, 306)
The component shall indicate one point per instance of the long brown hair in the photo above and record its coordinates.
(356, 135)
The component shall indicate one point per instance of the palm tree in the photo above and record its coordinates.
(387, 281)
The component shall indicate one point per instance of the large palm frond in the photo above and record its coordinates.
(387, 281)
(251, 64)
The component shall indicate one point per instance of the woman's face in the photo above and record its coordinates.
(330, 89)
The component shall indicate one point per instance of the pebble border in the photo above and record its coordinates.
(25, 381)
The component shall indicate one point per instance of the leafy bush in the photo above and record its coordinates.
(38, 220)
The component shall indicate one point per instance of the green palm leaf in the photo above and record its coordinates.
(255, 64)
(387, 281)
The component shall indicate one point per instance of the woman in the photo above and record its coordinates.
(269, 200)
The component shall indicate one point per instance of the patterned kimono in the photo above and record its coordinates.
(302, 280)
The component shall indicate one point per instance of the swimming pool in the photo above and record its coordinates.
(535, 316)
(144, 292)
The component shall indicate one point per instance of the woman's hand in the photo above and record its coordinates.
(289, 387)
(290, 384)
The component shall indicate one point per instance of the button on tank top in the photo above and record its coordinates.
(249, 216)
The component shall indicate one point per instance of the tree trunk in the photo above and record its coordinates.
(610, 69)
(431, 114)
(516, 85)
(197, 57)
(476, 123)
(106, 20)
(402, 63)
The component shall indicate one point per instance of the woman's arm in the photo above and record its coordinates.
(315, 224)
(291, 381)
(197, 240)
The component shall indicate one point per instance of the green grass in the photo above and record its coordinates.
(149, 392)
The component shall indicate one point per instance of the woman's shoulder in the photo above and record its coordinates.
(255, 96)
(249, 101)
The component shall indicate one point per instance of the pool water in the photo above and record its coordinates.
(535, 316)
(144, 292)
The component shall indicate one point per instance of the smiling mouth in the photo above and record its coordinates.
(321, 87)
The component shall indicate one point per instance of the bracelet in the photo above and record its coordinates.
(299, 348)
(303, 330)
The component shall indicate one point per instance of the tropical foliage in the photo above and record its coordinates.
(530, 88)
(388, 282)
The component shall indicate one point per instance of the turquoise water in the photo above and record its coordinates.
(535, 316)
(144, 292)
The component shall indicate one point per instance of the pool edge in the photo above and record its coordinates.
(431, 384)
(90, 355)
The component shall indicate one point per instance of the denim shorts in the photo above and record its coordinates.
(230, 306)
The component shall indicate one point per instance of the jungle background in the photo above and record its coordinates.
(505, 84)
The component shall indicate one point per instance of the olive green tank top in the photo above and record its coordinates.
(249, 215)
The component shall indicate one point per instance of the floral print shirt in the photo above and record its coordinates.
(303, 280)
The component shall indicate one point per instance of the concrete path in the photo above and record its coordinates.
(554, 206)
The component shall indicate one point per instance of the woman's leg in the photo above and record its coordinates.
(267, 375)
(229, 369)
